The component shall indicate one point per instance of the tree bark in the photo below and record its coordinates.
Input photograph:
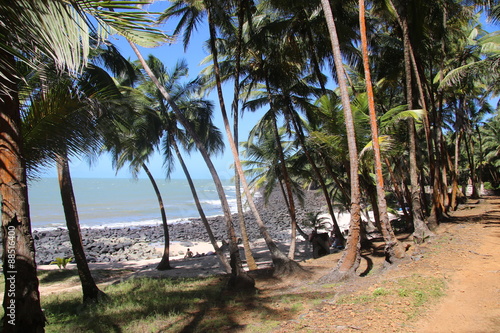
(220, 254)
(288, 187)
(454, 186)
(91, 293)
(420, 232)
(349, 262)
(393, 248)
(397, 191)
(164, 264)
(21, 302)
(282, 264)
(252, 265)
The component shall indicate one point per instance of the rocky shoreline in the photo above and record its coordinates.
(138, 243)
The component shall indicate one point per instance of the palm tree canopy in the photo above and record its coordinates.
(31, 30)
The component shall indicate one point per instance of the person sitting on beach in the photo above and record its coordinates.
(335, 242)
(320, 243)
(189, 254)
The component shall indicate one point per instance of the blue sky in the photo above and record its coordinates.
(170, 54)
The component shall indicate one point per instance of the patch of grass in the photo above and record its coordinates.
(132, 306)
(296, 307)
(58, 276)
(331, 285)
(380, 292)
(416, 290)
(265, 326)
(170, 305)
(421, 289)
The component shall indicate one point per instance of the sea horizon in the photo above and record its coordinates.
(124, 202)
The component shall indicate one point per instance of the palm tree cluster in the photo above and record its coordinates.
(378, 106)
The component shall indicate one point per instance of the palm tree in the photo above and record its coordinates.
(239, 279)
(60, 111)
(37, 26)
(198, 112)
(350, 260)
(491, 146)
(191, 15)
(133, 140)
(393, 249)
(242, 4)
(263, 164)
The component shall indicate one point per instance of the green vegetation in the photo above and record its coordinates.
(61, 262)
(161, 304)
(414, 291)
(151, 305)
(137, 305)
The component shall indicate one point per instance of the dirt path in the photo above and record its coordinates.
(464, 257)
(472, 303)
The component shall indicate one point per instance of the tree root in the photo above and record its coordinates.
(338, 276)
(287, 267)
(241, 282)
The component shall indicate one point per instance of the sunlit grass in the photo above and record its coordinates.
(415, 290)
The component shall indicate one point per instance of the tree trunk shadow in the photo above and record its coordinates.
(369, 265)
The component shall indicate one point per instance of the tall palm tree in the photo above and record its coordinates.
(31, 31)
(491, 147)
(393, 249)
(59, 110)
(239, 279)
(349, 262)
(199, 112)
(241, 6)
(132, 140)
(421, 230)
(219, 14)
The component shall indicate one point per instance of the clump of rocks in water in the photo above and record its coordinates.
(138, 243)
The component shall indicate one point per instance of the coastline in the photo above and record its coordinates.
(146, 242)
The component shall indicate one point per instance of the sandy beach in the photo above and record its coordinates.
(202, 266)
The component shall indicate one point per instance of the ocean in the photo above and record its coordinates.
(121, 202)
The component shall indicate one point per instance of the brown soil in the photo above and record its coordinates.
(462, 262)
(465, 254)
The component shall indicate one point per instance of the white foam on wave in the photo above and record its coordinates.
(120, 225)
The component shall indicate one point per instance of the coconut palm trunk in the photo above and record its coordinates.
(393, 249)
(421, 231)
(91, 293)
(21, 302)
(252, 265)
(397, 190)
(289, 193)
(454, 188)
(282, 264)
(217, 249)
(319, 177)
(165, 259)
(350, 260)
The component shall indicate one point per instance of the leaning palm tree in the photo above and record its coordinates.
(132, 141)
(198, 112)
(239, 278)
(37, 26)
